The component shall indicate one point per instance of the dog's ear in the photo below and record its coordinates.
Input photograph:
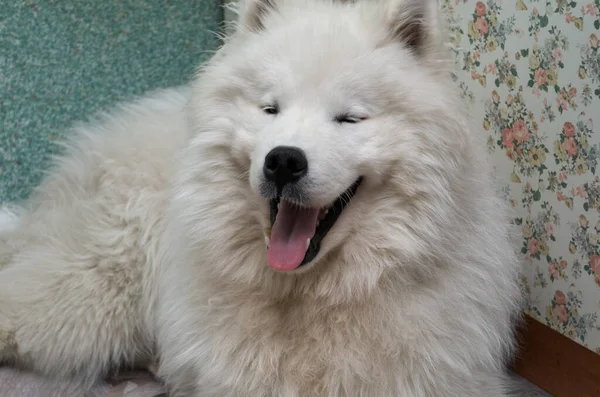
(415, 23)
(253, 13)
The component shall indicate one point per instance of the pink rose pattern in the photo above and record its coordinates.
(531, 72)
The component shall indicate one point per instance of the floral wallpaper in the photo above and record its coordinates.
(531, 70)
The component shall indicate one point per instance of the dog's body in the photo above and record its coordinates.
(148, 238)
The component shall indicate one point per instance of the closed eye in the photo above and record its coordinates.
(348, 118)
(271, 109)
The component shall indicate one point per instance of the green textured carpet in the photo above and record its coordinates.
(63, 60)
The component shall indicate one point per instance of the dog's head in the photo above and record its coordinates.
(333, 113)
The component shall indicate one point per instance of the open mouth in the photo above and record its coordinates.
(297, 231)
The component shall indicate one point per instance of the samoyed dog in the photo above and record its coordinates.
(311, 217)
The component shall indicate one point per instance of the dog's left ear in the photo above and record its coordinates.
(415, 23)
(253, 13)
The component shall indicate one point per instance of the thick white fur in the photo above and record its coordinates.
(146, 240)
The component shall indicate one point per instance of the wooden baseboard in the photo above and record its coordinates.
(555, 363)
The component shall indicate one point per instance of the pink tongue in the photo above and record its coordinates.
(293, 226)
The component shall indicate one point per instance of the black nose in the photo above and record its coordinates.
(285, 165)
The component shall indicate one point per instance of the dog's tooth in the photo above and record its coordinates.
(267, 241)
(307, 243)
(279, 205)
(326, 212)
(318, 223)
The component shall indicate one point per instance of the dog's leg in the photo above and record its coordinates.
(68, 312)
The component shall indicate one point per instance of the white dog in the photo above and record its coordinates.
(311, 218)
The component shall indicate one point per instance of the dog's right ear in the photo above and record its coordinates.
(253, 12)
